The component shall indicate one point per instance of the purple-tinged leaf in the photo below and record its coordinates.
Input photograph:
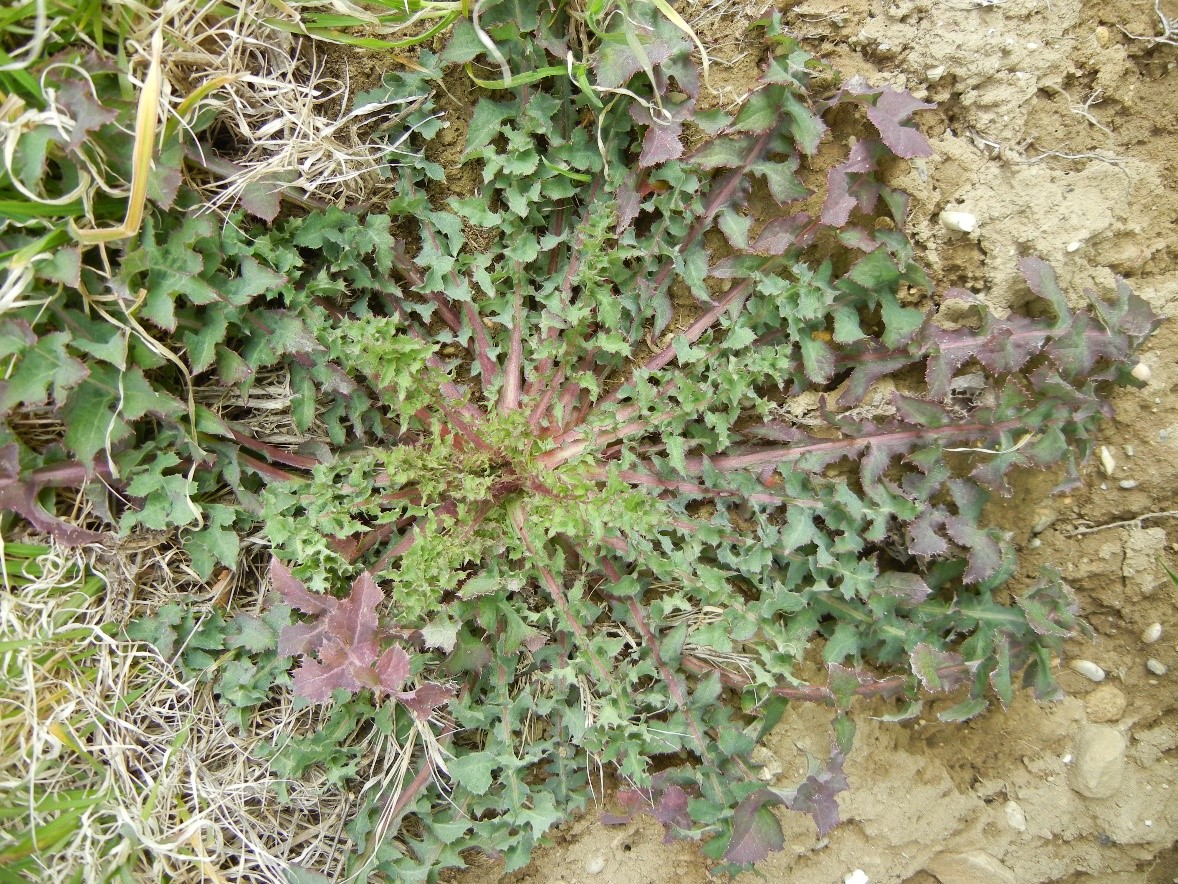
(535, 642)
(392, 669)
(756, 831)
(661, 143)
(871, 363)
(923, 539)
(888, 114)
(1130, 314)
(927, 663)
(629, 202)
(984, 552)
(910, 588)
(817, 794)
(262, 199)
(302, 638)
(315, 680)
(662, 140)
(295, 593)
(856, 237)
(354, 619)
(777, 431)
(618, 61)
(782, 234)
(425, 699)
(844, 192)
(76, 97)
(667, 802)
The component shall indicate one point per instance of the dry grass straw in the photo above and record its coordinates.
(284, 125)
(157, 786)
(265, 409)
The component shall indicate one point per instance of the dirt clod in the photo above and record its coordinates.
(1099, 763)
(1105, 704)
(974, 867)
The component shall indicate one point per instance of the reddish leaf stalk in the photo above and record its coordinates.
(267, 470)
(541, 409)
(674, 684)
(884, 687)
(770, 456)
(513, 371)
(561, 600)
(273, 452)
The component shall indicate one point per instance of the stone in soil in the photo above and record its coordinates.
(1100, 761)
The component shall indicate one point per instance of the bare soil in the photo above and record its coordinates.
(1059, 132)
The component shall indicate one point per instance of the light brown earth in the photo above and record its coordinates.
(1059, 132)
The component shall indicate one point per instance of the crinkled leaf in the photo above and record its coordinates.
(927, 664)
(756, 831)
(889, 112)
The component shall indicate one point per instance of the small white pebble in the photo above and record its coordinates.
(595, 865)
(1067, 759)
(1088, 669)
(1074, 246)
(1157, 667)
(1035, 543)
(1129, 451)
(1032, 46)
(1015, 817)
(962, 222)
(1151, 633)
(1108, 463)
(1141, 372)
(856, 877)
(1149, 824)
(1128, 484)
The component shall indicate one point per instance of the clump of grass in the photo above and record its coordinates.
(279, 121)
(114, 766)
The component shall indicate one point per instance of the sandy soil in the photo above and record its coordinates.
(1060, 133)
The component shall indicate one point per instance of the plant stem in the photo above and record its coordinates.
(884, 687)
(771, 456)
(562, 602)
(513, 371)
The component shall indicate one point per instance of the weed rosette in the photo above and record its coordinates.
(588, 470)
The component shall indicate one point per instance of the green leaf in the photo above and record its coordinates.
(217, 543)
(968, 708)
(44, 366)
(474, 209)
(473, 771)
